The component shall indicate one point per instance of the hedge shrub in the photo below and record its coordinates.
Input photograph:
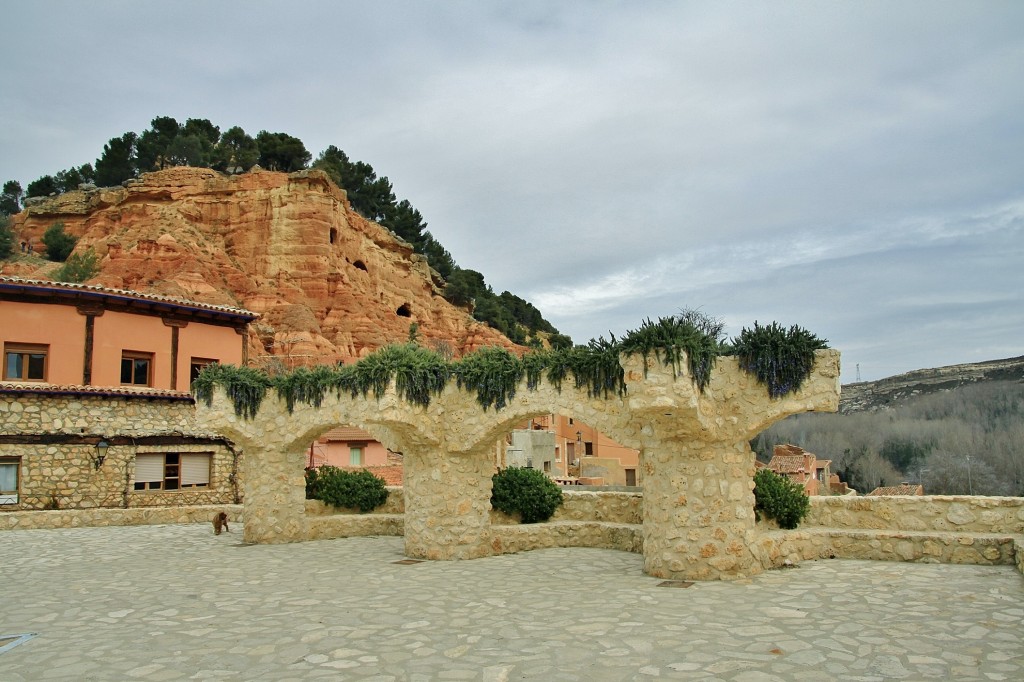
(779, 498)
(526, 491)
(343, 488)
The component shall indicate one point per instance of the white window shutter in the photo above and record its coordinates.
(195, 469)
(149, 468)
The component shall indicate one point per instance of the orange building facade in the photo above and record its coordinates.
(69, 346)
(581, 454)
(77, 335)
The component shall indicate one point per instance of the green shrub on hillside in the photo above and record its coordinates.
(777, 497)
(78, 267)
(526, 491)
(343, 488)
(59, 244)
(6, 237)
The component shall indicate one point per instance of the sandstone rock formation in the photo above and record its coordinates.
(330, 285)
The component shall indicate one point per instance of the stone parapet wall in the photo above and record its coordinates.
(354, 525)
(958, 514)
(520, 538)
(605, 507)
(779, 548)
(143, 516)
(395, 504)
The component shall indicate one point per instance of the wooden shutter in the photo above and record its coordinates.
(149, 468)
(195, 469)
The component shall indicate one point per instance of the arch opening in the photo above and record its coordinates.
(569, 451)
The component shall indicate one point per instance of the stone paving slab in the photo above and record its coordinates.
(178, 603)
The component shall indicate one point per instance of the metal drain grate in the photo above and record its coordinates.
(8, 642)
(406, 562)
(674, 583)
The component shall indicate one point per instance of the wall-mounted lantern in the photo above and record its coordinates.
(101, 454)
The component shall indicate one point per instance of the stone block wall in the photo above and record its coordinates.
(63, 476)
(933, 513)
(604, 507)
(53, 438)
(940, 529)
(142, 516)
(30, 413)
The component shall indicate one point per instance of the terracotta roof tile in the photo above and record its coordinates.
(110, 391)
(902, 489)
(787, 464)
(347, 433)
(16, 282)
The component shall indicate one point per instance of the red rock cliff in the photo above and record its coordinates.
(329, 284)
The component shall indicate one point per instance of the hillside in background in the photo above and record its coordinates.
(872, 395)
(329, 284)
(956, 430)
(198, 143)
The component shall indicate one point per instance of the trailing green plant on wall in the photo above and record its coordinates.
(527, 492)
(343, 488)
(691, 333)
(493, 373)
(781, 359)
(245, 387)
(779, 498)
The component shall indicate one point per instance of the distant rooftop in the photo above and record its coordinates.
(902, 489)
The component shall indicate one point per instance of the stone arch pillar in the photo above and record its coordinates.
(447, 503)
(698, 503)
(274, 490)
(698, 509)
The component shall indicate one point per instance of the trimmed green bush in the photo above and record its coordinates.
(526, 491)
(343, 488)
(779, 498)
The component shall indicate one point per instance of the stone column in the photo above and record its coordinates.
(447, 504)
(698, 510)
(274, 508)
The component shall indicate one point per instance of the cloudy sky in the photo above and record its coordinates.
(852, 167)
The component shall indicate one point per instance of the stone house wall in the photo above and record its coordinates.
(53, 438)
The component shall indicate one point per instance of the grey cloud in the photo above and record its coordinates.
(854, 167)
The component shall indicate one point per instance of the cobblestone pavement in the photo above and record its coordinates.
(178, 603)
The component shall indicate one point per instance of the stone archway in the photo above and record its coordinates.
(698, 520)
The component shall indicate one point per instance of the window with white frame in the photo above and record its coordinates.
(10, 468)
(172, 470)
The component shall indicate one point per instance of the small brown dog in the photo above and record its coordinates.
(220, 520)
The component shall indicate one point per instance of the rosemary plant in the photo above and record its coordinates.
(692, 332)
(493, 373)
(781, 359)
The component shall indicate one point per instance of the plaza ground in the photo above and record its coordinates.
(179, 603)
